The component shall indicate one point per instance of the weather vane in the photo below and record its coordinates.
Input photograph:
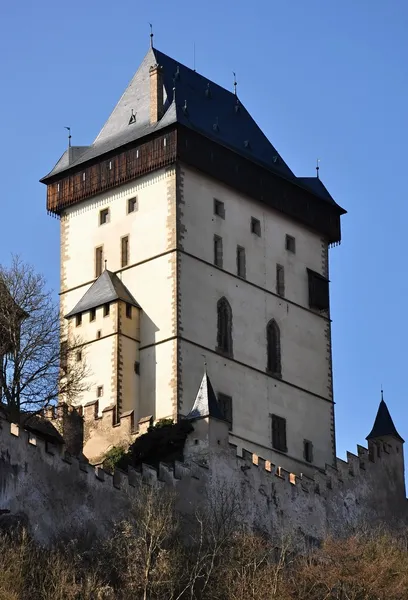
(151, 35)
(69, 136)
(317, 168)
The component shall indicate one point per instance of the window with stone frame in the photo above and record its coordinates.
(279, 441)
(273, 341)
(224, 326)
(104, 216)
(225, 404)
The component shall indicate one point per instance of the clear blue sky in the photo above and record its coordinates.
(322, 78)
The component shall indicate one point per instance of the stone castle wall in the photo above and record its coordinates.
(57, 494)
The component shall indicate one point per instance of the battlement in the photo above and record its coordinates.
(86, 431)
(56, 490)
(367, 460)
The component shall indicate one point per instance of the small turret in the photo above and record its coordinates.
(385, 441)
(211, 430)
(383, 424)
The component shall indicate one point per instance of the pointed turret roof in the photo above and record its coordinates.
(107, 288)
(206, 403)
(383, 424)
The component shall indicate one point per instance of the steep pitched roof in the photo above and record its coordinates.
(197, 103)
(383, 424)
(107, 288)
(206, 403)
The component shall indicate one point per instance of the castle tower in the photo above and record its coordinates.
(384, 438)
(224, 252)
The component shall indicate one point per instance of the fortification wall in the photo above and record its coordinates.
(57, 494)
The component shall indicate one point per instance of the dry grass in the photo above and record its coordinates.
(218, 560)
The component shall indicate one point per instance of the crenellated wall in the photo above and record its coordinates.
(58, 494)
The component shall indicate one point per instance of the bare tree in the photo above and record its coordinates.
(31, 373)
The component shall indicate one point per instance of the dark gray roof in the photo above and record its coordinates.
(199, 104)
(195, 102)
(383, 424)
(206, 403)
(107, 288)
(315, 185)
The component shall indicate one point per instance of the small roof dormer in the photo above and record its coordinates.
(107, 288)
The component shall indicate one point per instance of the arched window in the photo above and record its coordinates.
(224, 326)
(274, 365)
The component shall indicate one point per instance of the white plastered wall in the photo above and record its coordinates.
(306, 361)
(149, 276)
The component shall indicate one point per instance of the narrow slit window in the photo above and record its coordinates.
(128, 311)
(308, 451)
(241, 262)
(78, 356)
(99, 391)
(218, 251)
(280, 280)
(106, 310)
(78, 320)
(98, 261)
(274, 363)
(92, 314)
(125, 251)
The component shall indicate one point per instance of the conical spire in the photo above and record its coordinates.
(206, 403)
(383, 424)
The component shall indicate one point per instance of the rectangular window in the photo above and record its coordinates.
(256, 226)
(128, 311)
(280, 280)
(125, 251)
(98, 261)
(241, 262)
(225, 404)
(92, 314)
(98, 334)
(318, 291)
(99, 391)
(106, 310)
(104, 216)
(79, 356)
(308, 451)
(64, 356)
(137, 368)
(290, 243)
(279, 433)
(132, 205)
(219, 208)
(218, 251)
(79, 319)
